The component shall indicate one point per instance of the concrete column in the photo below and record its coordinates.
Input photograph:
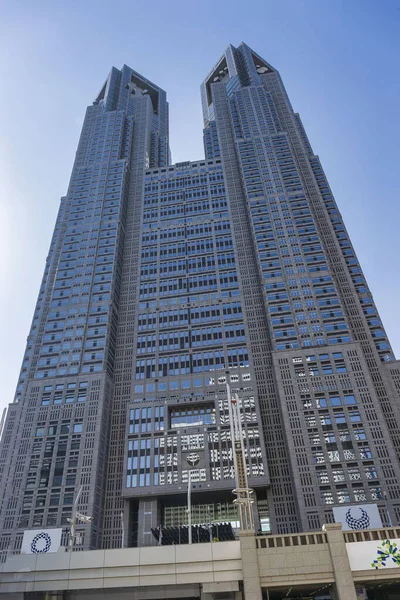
(148, 518)
(345, 589)
(251, 575)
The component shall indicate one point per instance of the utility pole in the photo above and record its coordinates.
(243, 493)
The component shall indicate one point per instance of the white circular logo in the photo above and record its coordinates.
(41, 543)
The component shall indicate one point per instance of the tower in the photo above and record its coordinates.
(163, 284)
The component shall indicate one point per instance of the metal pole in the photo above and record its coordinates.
(160, 535)
(387, 509)
(232, 432)
(73, 521)
(189, 509)
(123, 530)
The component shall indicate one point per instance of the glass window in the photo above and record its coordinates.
(335, 401)
(326, 497)
(359, 495)
(343, 496)
(354, 416)
(350, 399)
(78, 427)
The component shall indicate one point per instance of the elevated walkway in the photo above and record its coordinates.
(326, 564)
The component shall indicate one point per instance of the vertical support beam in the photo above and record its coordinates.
(148, 519)
(345, 589)
(251, 574)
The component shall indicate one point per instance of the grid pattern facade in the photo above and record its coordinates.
(165, 282)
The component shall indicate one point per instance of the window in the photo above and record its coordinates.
(78, 427)
(192, 416)
(40, 431)
(338, 475)
(354, 474)
(376, 493)
(340, 418)
(354, 416)
(64, 428)
(349, 399)
(335, 401)
(359, 495)
(326, 497)
(321, 402)
(370, 473)
(365, 452)
(322, 477)
(359, 433)
(343, 496)
(318, 457)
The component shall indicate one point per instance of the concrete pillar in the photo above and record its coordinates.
(148, 518)
(345, 589)
(251, 575)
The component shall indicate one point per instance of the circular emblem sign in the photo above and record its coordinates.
(360, 522)
(193, 459)
(41, 543)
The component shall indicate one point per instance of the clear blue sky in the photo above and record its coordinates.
(339, 60)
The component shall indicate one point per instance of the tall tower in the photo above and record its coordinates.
(163, 284)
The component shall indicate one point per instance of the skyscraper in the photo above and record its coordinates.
(166, 282)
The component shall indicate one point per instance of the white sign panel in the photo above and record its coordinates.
(361, 516)
(384, 554)
(39, 541)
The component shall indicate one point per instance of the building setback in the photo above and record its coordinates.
(165, 282)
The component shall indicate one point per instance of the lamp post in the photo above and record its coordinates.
(74, 517)
(242, 491)
(189, 506)
(209, 523)
(122, 530)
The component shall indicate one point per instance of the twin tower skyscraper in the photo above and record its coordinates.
(163, 283)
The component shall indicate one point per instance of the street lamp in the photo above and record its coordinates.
(244, 498)
(189, 506)
(74, 517)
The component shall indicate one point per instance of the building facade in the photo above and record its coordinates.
(164, 283)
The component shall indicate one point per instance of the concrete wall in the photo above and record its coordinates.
(130, 567)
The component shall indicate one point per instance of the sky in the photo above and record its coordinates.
(339, 60)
